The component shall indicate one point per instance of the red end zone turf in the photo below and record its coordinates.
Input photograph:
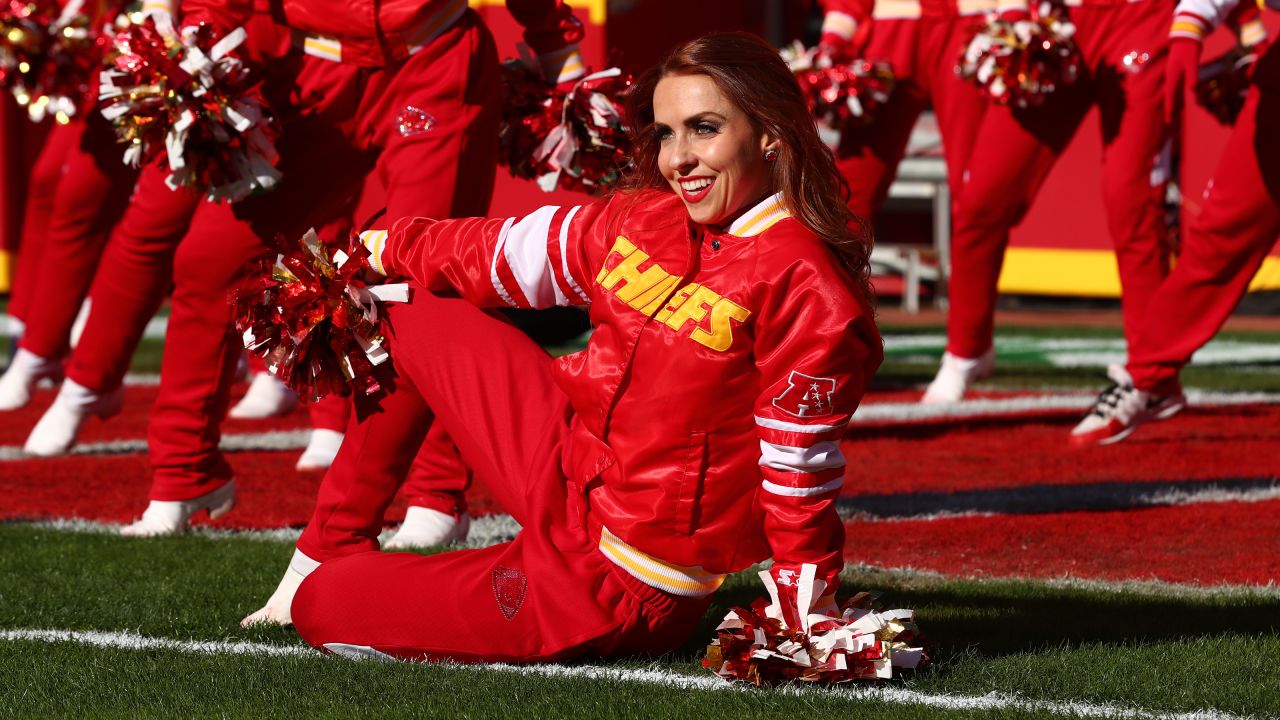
(1208, 542)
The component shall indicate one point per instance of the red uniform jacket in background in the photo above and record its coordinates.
(377, 32)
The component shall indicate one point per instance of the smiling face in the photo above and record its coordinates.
(708, 149)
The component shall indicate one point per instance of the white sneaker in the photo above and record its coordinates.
(322, 447)
(956, 375)
(173, 517)
(278, 610)
(266, 397)
(1121, 408)
(25, 371)
(424, 528)
(58, 428)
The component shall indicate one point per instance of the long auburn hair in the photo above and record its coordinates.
(752, 75)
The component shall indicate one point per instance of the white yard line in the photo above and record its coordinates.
(646, 676)
(231, 442)
(486, 530)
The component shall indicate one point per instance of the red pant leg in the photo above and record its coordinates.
(868, 157)
(492, 393)
(41, 188)
(331, 413)
(958, 104)
(438, 479)
(549, 595)
(447, 171)
(1012, 155)
(1134, 173)
(91, 197)
(132, 279)
(201, 353)
(370, 465)
(1223, 248)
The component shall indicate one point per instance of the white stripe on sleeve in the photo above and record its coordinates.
(822, 456)
(785, 426)
(493, 267)
(784, 490)
(564, 253)
(526, 254)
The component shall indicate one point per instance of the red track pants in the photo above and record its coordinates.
(348, 130)
(549, 594)
(438, 480)
(132, 279)
(1224, 245)
(923, 56)
(1015, 150)
(91, 191)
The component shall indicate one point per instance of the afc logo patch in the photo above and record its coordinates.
(806, 396)
(509, 586)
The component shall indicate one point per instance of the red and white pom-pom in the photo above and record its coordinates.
(1020, 63)
(47, 57)
(310, 314)
(839, 95)
(191, 99)
(573, 138)
(1223, 82)
(756, 646)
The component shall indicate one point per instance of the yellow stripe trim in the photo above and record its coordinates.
(1188, 27)
(597, 10)
(326, 48)
(764, 219)
(4, 271)
(1086, 273)
(681, 580)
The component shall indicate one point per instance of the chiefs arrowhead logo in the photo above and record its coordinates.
(509, 586)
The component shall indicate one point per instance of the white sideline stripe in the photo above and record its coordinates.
(486, 530)
(232, 442)
(1212, 495)
(1146, 587)
(907, 411)
(642, 676)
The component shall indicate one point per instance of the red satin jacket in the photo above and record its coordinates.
(711, 398)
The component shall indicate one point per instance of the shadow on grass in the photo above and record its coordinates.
(1007, 618)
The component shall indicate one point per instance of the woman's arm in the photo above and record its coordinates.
(816, 353)
(537, 261)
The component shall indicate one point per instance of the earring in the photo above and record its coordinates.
(770, 155)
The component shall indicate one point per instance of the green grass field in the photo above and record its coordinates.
(1149, 650)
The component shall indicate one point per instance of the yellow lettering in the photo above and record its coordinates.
(625, 249)
(676, 301)
(640, 285)
(721, 335)
(692, 309)
(652, 298)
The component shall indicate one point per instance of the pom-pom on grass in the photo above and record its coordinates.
(309, 313)
(840, 95)
(47, 57)
(1223, 82)
(191, 99)
(571, 136)
(864, 642)
(1021, 63)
